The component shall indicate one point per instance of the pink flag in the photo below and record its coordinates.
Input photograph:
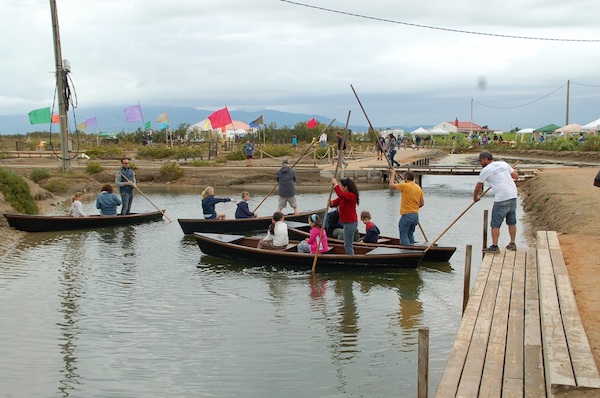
(133, 114)
(312, 123)
(55, 119)
(220, 118)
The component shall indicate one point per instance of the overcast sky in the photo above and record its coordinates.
(273, 54)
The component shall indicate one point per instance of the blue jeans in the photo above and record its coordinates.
(127, 199)
(393, 161)
(349, 231)
(505, 209)
(406, 225)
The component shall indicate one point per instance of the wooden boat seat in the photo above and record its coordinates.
(291, 247)
(383, 240)
(385, 250)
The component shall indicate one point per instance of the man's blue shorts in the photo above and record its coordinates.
(505, 209)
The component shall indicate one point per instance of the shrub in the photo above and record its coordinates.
(56, 185)
(200, 163)
(159, 151)
(105, 152)
(93, 168)
(171, 171)
(39, 174)
(16, 192)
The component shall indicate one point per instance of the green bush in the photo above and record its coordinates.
(16, 192)
(171, 171)
(159, 151)
(93, 168)
(39, 174)
(56, 185)
(105, 152)
(200, 163)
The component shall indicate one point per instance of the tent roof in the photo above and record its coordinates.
(237, 125)
(525, 131)
(438, 131)
(591, 125)
(569, 128)
(420, 130)
(549, 128)
(449, 127)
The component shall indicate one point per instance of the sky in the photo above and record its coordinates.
(305, 57)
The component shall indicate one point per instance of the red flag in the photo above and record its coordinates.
(312, 123)
(220, 118)
(56, 119)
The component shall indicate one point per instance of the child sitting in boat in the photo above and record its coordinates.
(208, 204)
(243, 211)
(317, 237)
(107, 201)
(277, 234)
(372, 232)
(76, 209)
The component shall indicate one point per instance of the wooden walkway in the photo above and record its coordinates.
(521, 334)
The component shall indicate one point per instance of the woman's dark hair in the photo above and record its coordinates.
(351, 187)
(107, 187)
(277, 216)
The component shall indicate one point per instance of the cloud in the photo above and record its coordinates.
(275, 54)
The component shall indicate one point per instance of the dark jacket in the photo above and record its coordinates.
(208, 203)
(243, 211)
(372, 234)
(286, 177)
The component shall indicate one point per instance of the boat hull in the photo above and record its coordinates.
(238, 247)
(237, 226)
(31, 223)
(436, 254)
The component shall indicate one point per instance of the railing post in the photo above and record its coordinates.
(423, 363)
(467, 277)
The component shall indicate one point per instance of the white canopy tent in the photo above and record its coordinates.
(592, 126)
(569, 129)
(420, 131)
(449, 127)
(395, 132)
(438, 131)
(526, 131)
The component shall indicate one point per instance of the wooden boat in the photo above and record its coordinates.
(437, 254)
(29, 223)
(240, 225)
(239, 247)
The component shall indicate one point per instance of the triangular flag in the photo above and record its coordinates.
(55, 119)
(163, 126)
(312, 123)
(133, 114)
(148, 125)
(220, 118)
(39, 116)
(91, 122)
(163, 117)
(257, 122)
(82, 126)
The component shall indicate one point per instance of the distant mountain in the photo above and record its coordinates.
(112, 119)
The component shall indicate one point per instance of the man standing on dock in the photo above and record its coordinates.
(501, 177)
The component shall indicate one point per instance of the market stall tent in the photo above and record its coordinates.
(592, 126)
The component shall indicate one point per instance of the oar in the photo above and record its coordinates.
(337, 167)
(314, 140)
(389, 162)
(152, 203)
(461, 214)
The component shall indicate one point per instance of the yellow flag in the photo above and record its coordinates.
(163, 117)
(81, 126)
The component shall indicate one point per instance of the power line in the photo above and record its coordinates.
(438, 28)
(522, 105)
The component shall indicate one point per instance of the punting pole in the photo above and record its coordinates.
(147, 198)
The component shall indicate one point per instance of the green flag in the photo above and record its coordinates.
(39, 116)
(148, 125)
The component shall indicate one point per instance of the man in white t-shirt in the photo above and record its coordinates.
(323, 139)
(501, 177)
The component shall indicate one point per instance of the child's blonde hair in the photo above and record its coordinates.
(365, 215)
(245, 193)
(208, 191)
(76, 196)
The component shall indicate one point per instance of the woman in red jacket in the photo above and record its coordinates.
(346, 202)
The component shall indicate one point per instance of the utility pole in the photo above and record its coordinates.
(61, 75)
(567, 117)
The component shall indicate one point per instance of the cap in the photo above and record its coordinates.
(486, 155)
(284, 161)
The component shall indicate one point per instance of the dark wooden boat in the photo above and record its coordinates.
(244, 248)
(437, 254)
(237, 226)
(29, 223)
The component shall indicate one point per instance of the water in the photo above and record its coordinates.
(139, 311)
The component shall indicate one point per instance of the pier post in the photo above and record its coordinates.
(423, 363)
(467, 277)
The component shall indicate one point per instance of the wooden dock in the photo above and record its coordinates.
(521, 334)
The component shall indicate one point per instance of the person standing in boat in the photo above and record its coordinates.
(125, 180)
(412, 200)
(501, 177)
(346, 202)
(76, 209)
(208, 204)
(243, 210)
(318, 237)
(286, 177)
(107, 201)
(277, 234)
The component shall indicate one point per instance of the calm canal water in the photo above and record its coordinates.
(139, 311)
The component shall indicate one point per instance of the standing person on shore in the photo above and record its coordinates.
(286, 177)
(341, 144)
(295, 143)
(412, 200)
(391, 150)
(208, 204)
(346, 202)
(501, 177)
(380, 144)
(249, 152)
(107, 201)
(125, 180)
(76, 209)
(323, 139)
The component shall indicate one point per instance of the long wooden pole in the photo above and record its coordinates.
(147, 198)
(337, 167)
(389, 162)
(294, 165)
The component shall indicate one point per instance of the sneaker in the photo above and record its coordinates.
(512, 247)
(492, 249)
